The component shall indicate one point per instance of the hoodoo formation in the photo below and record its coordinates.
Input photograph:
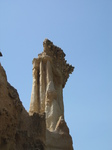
(50, 74)
(44, 127)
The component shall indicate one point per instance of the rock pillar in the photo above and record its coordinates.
(35, 104)
(51, 98)
(50, 74)
(42, 87)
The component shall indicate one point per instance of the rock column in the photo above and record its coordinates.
(50, 74)
(34, 104)
(51, 105)
(42, 87)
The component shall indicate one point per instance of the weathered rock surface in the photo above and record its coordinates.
(18, 130)
(50, 74)
(44, 127)
(59, 138)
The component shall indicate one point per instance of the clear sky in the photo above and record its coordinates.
(83, 29)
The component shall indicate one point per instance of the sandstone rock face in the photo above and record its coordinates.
(50, 74)
(18, 130)
(44, 127)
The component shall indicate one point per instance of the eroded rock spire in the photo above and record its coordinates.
(50, 74)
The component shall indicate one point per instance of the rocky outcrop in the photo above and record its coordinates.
(60, 137)
(50, 74)
(44, 127)
(18, 130)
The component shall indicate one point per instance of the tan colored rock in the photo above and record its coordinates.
(18, 130)
(51, 72)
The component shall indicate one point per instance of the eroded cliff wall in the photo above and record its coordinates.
(18, 130)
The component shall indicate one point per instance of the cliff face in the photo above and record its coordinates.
(18, 130)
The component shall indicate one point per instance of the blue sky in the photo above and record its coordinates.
(83, 29)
